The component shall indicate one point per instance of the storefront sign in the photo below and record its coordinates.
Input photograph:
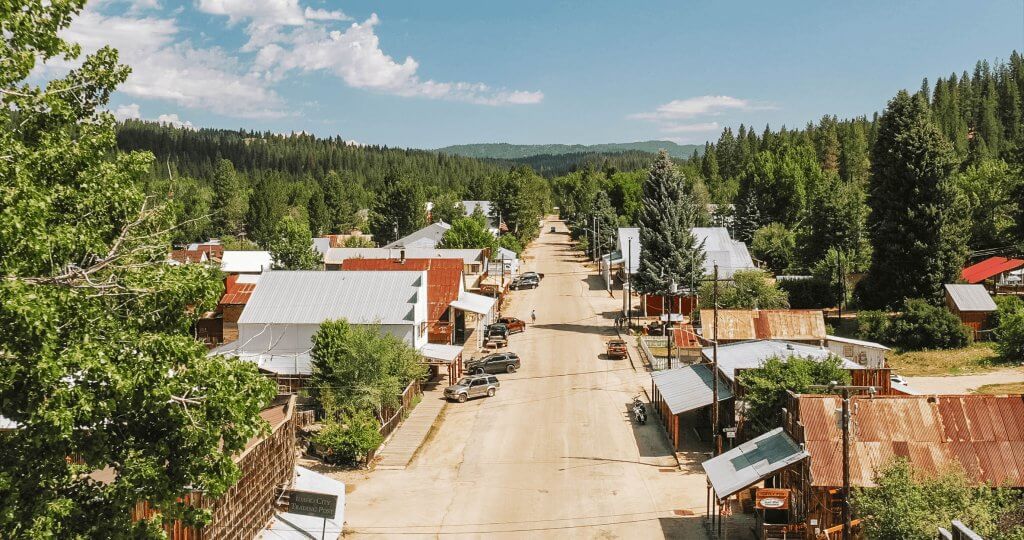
(772, 499)
(308, 503)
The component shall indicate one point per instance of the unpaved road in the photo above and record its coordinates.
(554, 454)
(964, 384)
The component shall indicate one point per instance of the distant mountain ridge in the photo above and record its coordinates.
(520, 151)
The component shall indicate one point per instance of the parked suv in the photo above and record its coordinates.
(503, 362)
(471, 387)
(525, 282)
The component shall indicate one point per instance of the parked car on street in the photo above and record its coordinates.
(503, 362)
(471, 387)
(525, 282)
(532, 275)
(616, 348)
(513, 324)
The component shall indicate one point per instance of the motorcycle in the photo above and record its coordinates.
(639, 411)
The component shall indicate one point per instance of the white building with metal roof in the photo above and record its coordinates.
(731, 255)
(276, 327)
(752, 354)
(246, 262)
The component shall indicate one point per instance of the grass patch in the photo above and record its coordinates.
(975, 358)
(999, 389)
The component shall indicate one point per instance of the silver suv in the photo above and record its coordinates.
(471, 387)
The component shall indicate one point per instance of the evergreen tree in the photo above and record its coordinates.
(670, 251)
(291, 245)
(229, 200)
(835, 219)
(400, 203)
(267, 206)
(607, 222)
(340, 203)
(319, 216)
(917, 236)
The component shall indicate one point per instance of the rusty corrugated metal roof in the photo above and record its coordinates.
(742, 324)
(444, 278)
(983, 434)
(236, 293)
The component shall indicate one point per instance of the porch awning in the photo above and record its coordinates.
(476, 303)
(688, 388)
(441, 353)
(751, 462)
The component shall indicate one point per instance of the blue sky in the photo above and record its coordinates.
(429, 74)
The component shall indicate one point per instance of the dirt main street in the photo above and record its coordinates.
(555, 453)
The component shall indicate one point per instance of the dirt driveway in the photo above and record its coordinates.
(964, 384)
(554, 454)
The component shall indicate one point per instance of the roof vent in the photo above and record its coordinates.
(789, 346)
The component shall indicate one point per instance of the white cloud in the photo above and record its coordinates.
(690, 128)
(173, 120)
(356, 57)
(325, 15)
(697, 106)
(127, 112)
(285, 12)
(176, 71)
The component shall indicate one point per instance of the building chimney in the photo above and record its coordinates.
(401, 256)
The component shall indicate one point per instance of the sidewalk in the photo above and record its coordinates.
(401, 447)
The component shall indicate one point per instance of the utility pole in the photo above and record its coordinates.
(842, 285)
(714, 369)
(629, 282)
(845, 421)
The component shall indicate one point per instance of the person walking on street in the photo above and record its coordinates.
(533, 316)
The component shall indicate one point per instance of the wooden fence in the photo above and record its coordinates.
(395, 418)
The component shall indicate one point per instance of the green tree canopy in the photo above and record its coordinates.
(468, 233)
(916, 221)
(748, 289)
(96, 360)
(229, 200)
(765, 388)
(670, 251)
(908, 504)
(360, 368)
(400, 203)
(291, 245)
(775, 245)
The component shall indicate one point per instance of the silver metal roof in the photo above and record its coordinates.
(427, 237)
(312, 297)
(475, 303)
(246, 261)
(751, 354)
(751, 462)
(970, 297)
(688, 388)
(731, 255)
(338, 255)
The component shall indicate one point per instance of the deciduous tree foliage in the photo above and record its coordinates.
(765, 387)
(917, 215)
(909, 504)
(748, 289)
(469, 233)
(97, 367)
(291, 245)
(670, 251)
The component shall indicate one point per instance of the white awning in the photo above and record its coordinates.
(286, 525)
(441, 353)
(475, 303)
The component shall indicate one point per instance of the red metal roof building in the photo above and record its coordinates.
(444, 278)
(990, 268)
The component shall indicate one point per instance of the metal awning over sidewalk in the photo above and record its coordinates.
(437, 352)
(688, 388)
(475, 303)
(751, 462)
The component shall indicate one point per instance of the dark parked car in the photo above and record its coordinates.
(524, 282)
(532, 275)
(471, 387)
(504, 362)
(497, 330)
(513, 324)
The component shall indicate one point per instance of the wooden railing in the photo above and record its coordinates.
(395, 418)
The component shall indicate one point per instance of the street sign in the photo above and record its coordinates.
(308, 503)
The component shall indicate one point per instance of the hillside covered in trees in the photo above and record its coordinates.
(519, 151)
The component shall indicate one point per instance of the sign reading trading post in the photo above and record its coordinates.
(308, 503)
(772, 499)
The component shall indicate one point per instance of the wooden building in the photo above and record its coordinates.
(971, 304)
(805, 326)
(267, 464)
(682, 397)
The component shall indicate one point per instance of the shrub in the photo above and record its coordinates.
(1010, 336)
(873, 325)
(925, 326)
(349, 439)
(811, 293)
(1005, 306)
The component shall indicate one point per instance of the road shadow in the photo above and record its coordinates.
(650, 441)
(684, 528)
(595, 282)
(578, 328)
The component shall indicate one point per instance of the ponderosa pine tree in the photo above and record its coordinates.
(607, 222)
(670, 251)
(916, 224)
(229, 200)
(400, 203)
(98, 370)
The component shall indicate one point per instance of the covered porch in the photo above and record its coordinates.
(443, 359)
